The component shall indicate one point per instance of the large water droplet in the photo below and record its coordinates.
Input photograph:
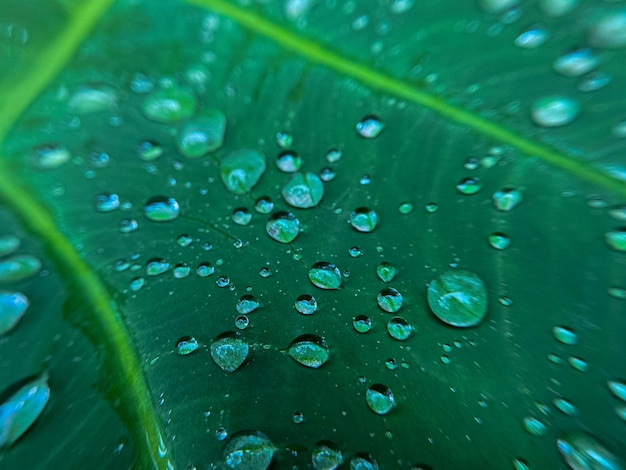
(186, 345)
(169, 105)
(325, 275)
(22, 408)
(369, 127)
(458, 298)
(13, 305)
(161, 209)
(363, 219)
(229, 350)
(19, 267)
(583, 452)
(380, 399)
(241, 170)
(283, 227)
(202, 134)
(50, 156)
(363, 461)
(248, 450)
(389, 299)
(326, 455)
(576, 63)
(554, 111)
(303, 190)
(609, 31)
(309, 350)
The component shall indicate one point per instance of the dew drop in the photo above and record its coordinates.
(333, 155)
(399, 328)
(325, 275)
(156, 266)
(136, 284)
(50, 156)
(609, 31)
(431, 207)
(265, 272)
(106, 202)
(363, 461)
(309, 350)
(565, 406)
(581, 451)
(369, 127)
(458, 298)
(578, 363)
(149, 150)
(534, 427)
(241, 216)
(184, 240)
(205, 269)
(363, 219)
(169, 105)
(93, 98)
(181, 270)
(283, 227)
(616, 239)
(242, 322)
(288, 161)
(8, 244)
(229, 350)
(247, 303)
(594, 81)
(222, 281)
(618, 388)
(248, 450)
(499, 241)
(532, 38)
(241, 170)
(554, 111)
(284, 139)
(389, 299)
(576, 63)
(303, 190)
(128, 225)
(18, 267)
(327, 174)
(362, 323)
(564, 335)
(326, 455)
(380, 399)
(161, 209)
(355, 252)
(186, 345)
(507, 199)
(306, 304)
(264, 205)
(202, 134)
(13, 305)
(469, 186)
(405, 208)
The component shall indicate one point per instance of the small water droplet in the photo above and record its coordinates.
(205, 269)
(137, 283)
(264, 205)
(149, 150)
(365, 179)
(325, 275)
(564, 335)
(247, 303)
(156, 266)
(363, 219)
(202, 134)
(405, 208)
(326, 455)
(399, 328)
(327, 174)
(161, 209)
(306, 304)
(13, 305)
(284, 139)
(469, 186)
(497, 6)
(288, 161)
(499, 241)
(594, 81)
(229, 350)
(369, 127)
(309, 350)
(181, 270)
(431, 207)
(50, 156)
(534, 427)
(303, 190)
(554, 111)
(616, 239)
(386, 271)
(618, 388)
(355, 252)
(507, 199)
(265, 272)
(186, 345)
(106, 202)
(241, 170)
(221, 434)
(578, 363)
(565, 406)
(532, 38)
(241, 216)
(283, 227)
(169, 105)
(458, 298)
(184, 240)
(297, 417)
(576, 63)
(389, 299)
(19, 267)
(242, 322)
(380, 399)
(222, 281)
(333, 155)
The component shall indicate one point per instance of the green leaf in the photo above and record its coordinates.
(397, 105)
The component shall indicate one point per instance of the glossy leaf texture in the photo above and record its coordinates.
(460, 148)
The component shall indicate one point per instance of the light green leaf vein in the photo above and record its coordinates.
(318, 53)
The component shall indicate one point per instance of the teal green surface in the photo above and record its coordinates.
(448, 83)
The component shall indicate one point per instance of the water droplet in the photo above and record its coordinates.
(149, 150)
(93, 98)
(363, 461)
(532, 38)
(221, 434)
(242, 322)
(288, 161)
(616, 239)
(369, 127)
(405, 208)
(386, 272)
(205, 269)
(297, 417)
(519, 464)
(303, 190)
(564, 335)
(355, 252)
(156, 266)
(581, 452)
(431, 207)
(389, 299)
(309, 350)
(391, 364)
(283, 227)
(398, 7)
(380, 399)
(554, 359)
(620, 411)
(247, 304)
(106, 202)
(241, 216)
(284, 139)
(181, 270)
(362, 323)
(306, 304)
(554, 111)
(99, 159)
(141, 84)
(50, 156)
(445, 359)
(265, 272)
(333, 155)
(186, 345)
(8, 244)
(325, 275)
(578, 363)
(264, 205)
(169, 105)
(363, 219)
(458, 298)
(609, 31)
(184, 240)
(594, 81)
(618, 388)
(399, 328)
(617, 292)
(222, 281)
(534, 426)
(13, 305)
(499, 241)
(327, 174)
(505, 301)
(326, 455)
(161, 209)
(202, 134)
(364, 180)
(137, 283)
(469, 186)
(241, 170)
(229, 350)
(22, 408)
(565, 406)
(507, 199)
(18, 267)
(576, 63)
(248, 450)
(557, 8)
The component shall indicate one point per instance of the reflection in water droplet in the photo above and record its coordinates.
(306, 304)
(499, 241)
(169, 105)
(50, 156)
(362, 323)
(555, 111)
(363, 219)
(380, 399)
(247, 304)
(13, 305)
(369, 127)
(326, 455)
(507, 199)
(241, 170)
(186, 345)
(564, 335)
(458, 298)
(202, 134)
(389, 299)
(399, 328)
(19, 267)
(325, 275)
(241, 216)
(229, 350)
(288, 161)
(248, 450)
(161, 209)
(581, 452)
(283, 227)
(309, 350)
(303, 190)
